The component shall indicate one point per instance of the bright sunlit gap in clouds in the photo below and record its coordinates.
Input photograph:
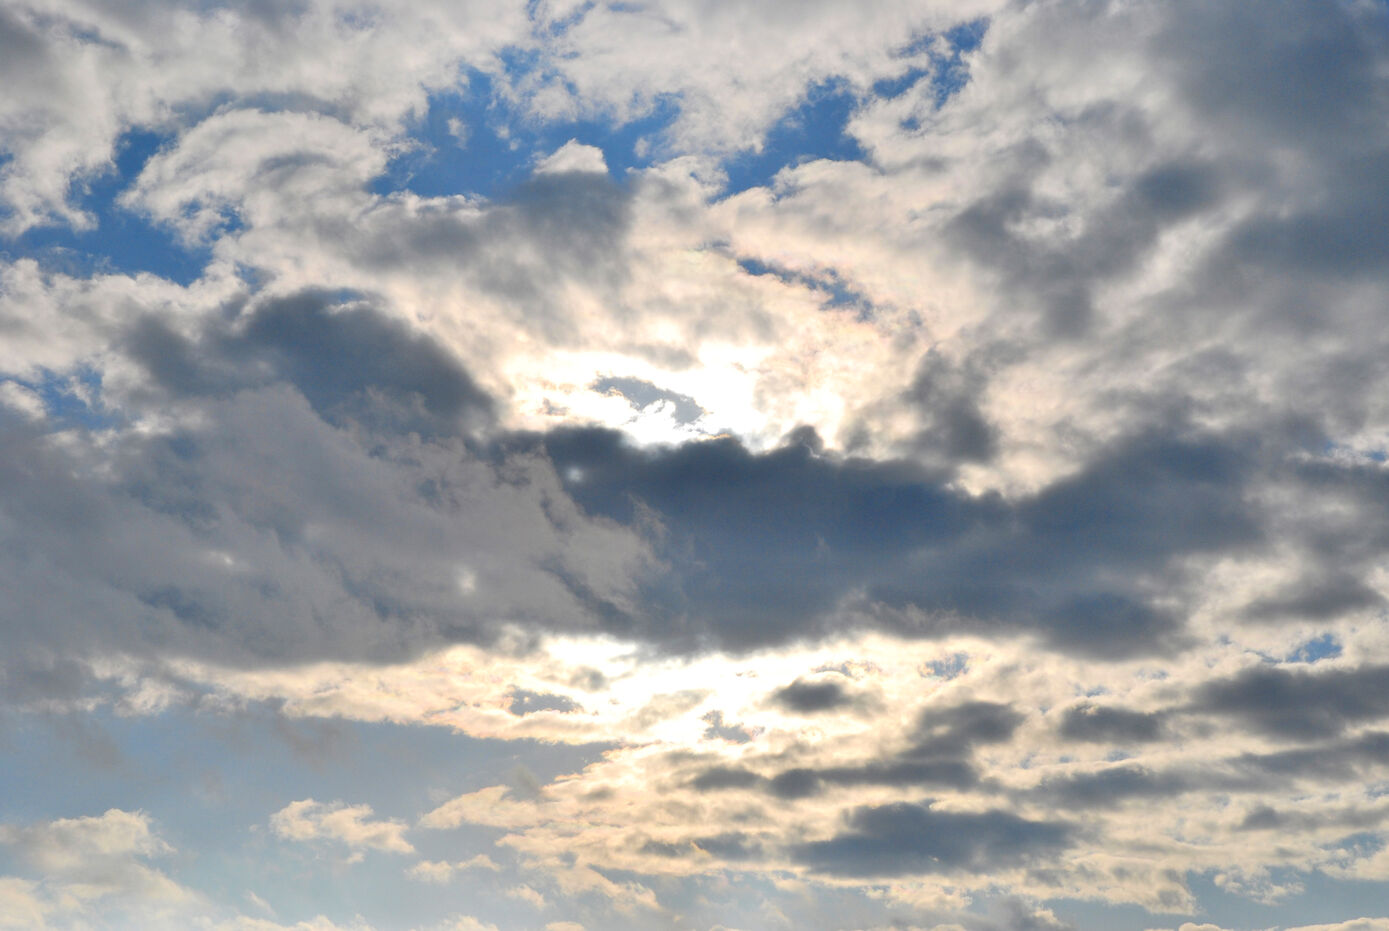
(581, 466)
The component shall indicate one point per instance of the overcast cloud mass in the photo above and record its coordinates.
(694, 464)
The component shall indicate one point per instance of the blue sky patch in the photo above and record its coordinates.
(123, 242)
(1324, 647)
(472, 142)
(813, 130)
(836, 292)
(70, 400)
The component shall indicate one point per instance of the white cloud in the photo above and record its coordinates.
(526, 894)
(466, 923)
(93, 867)
(352, 825)
(573, 156)
(22, 904)
(441, 871)
(254, 168)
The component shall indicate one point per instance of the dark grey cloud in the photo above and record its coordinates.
(938, 752)
(45, 678)
(812, 697)
(524, 701)
(1108, 788)
(360, 500)
(1322, 597)
(717, 728)
(725, 777)
(1058, 276)
(901, 773)
(731, 845)
(954, 732)
(1326, 762)
(1267, 818)
(1298, 704)
(765, 548)
(24, 55)
(1100, 724)
(1293, 76)
(904, 839)
(347, 357)
(1344, 760)
(258, 532)
(806, 781)
(953, 428)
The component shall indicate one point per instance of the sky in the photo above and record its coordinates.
(693, 464)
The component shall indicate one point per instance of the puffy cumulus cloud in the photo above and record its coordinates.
(187, 508)
(68, 845)
(92, 868)
(352, 825)
(573, 156)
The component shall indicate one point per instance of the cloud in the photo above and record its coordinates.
(901, 838)
(349, 359)
(573, 156)
(994, 413)
(69, 845)
(1296, 704)
(94, 74)
(1089, 722)
(317, 923)
(718, 729)
(441, 871)
(812, 697)
(527, 702)
(353, 825)
(888, 530)
(93, 867)
(528, 895)
(467, 923)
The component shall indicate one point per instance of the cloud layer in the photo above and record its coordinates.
(926, 471)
